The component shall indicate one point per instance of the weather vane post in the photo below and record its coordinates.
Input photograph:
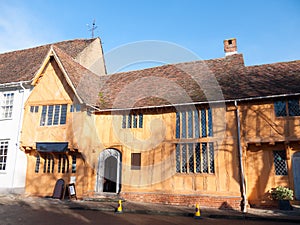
(93, 28)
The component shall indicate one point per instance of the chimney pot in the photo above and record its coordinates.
(230, 46)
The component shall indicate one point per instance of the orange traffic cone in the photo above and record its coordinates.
(197, 212)
(119, 209)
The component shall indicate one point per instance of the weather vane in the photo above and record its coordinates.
(93, 28)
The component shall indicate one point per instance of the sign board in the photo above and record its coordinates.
(72, 191)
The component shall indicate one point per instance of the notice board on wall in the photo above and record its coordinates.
(72, 191)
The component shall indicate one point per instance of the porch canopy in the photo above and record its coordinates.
(59, 147)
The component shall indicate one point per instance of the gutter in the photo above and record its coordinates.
(240, 155)
(15, 84)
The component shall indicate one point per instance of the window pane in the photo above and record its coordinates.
(31, 109)
(203, 123)
(140, 120)
(136, 161)
(190, 124)
(183, 124)
(210, 126)
(191, 158)
(198, 158)
(50, 114)
(73, 163)
(134, 117)
(63, 114)
(56, 114)
(124, 121)
(280, 108)
(196, 117)
(59, 163)
(177, 125)
(204, 158)
(3, 154)
(178, 158)
(43, 116)
(7, 105)
(184, 160)
(129, 121)
(293, 107)
(211, 158)
(78, 107)
(37, 164)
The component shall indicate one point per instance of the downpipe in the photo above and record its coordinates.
(240, 156)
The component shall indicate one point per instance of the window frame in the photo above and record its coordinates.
(53, 115)
(195, 158)
(286, 108)
(191, 124)
(136, 161)
(6, 105)
(132, 120)
(280, 163)
(4, 149)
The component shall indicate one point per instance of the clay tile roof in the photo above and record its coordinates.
(199, 81)
(23, 64)
(85, 82)
(272, 79)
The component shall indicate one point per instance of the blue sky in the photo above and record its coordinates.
(267, 31)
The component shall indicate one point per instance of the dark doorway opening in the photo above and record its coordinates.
(110, 174)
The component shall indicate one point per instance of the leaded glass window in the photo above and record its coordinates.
(53, 115)
(48, 163)
(195, 158)
(132, 121)
(203, 123)
(183, 124)
(287, 108)
(178, 158)
(293, 107)
(194, 123)
(280, 162)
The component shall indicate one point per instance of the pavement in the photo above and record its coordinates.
(111, 204)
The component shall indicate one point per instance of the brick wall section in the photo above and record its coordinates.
(222, 202)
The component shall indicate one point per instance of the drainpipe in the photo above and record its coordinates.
(18, 136)
(240, 154)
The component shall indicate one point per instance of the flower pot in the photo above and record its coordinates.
(284, 205)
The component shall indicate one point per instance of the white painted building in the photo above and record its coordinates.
(13, 161)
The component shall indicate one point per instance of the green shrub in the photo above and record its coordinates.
(282, 193)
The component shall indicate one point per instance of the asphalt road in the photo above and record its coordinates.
(27, 215)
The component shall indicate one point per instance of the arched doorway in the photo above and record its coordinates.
(296, 172)
(109, 171)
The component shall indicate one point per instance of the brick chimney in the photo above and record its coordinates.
(230, 46)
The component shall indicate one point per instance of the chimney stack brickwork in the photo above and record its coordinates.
(230, 46)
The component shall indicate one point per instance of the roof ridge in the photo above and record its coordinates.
(274, 63)
(178, 64)
(49, 44)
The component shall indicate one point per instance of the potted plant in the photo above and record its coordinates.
(283, 195)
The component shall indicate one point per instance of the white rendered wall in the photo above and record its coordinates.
(12, 179)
